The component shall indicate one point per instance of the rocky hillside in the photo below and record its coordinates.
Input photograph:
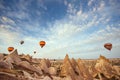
(24, 67)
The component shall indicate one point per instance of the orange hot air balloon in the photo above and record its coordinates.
(108, 46)
(42, 43)
(10, 49)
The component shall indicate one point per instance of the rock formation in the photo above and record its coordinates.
(83, 70)
(13, 57)
(1, 57)
(23, 67)
(105, 68)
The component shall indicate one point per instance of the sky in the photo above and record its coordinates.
(79, 28)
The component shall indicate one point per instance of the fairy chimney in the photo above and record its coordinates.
(13, 57)
(83, 70)
(104, 66)
(68, 70)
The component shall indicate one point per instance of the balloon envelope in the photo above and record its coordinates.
(34, 52)
(10, 49)
(108, 46)
(42, 43)
(21, 42)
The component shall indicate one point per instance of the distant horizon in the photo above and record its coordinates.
(61, 58)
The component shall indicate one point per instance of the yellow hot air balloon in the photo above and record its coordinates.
(42, 43)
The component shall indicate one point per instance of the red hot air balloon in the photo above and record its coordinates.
(42, 43)
(108, 46)
(10, 49)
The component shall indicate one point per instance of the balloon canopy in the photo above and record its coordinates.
(108, 46)
(21, 42)
(10, 49)
(42, 43)
(34, 52)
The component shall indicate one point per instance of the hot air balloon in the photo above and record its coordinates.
(42, 43)
(21, 42)
(10, 49)
(34, 52)
(108, 46)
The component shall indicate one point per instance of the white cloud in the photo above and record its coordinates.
(79, 12)
(90, 2)
(102, 5)
(65, 2)
(71, 9)
(7, 37)
(18, 14)
(94, 9)
(7, 20)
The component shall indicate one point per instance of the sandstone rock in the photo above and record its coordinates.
(13, 57)
(46, 78)
(36, 61)
(26, 57)
(36, 76)
(104, 66)
(64, 72)
(44, 66)
(7, 76)
(75, 66)
(27, 75)
(117, 69)
(9, 60)
(26, 65)
(69, 70)
(48, 63)
(5, 65)
(52, 71)
(84, 71)
(69, 78)
(92, 71)
(38, 69)
(56, 78)
(1, 57)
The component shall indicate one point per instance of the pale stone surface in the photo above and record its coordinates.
(13, 57)
(35, 60)
(7, 76)
(92, 71)
(46, 78)
(117, 69)
(104, 66)
(48, 63)
(52, 71)
(43, 66)
(69, 70)
(27, 57)
(27, 65)
(83, 70)
(5, 65)
(1, 57)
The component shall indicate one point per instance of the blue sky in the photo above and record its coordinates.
(76, 27)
